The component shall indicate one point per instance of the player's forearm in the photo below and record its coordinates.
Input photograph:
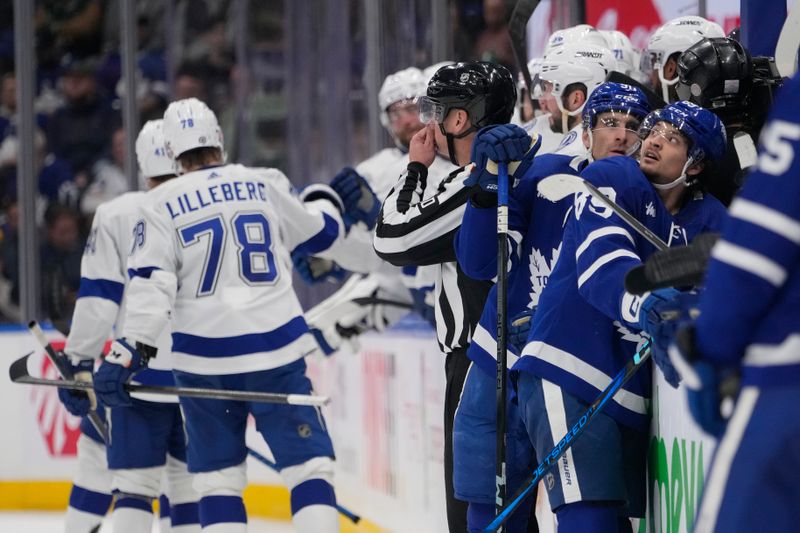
(148, 309)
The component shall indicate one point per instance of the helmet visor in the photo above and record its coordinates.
(649, 61)
(430, 111)
(617, 119)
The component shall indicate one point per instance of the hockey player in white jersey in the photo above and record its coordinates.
(147, 438)
(659, 60)
(339, 316)
(566, 79)
(210, 258)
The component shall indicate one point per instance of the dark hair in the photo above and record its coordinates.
(56, 211)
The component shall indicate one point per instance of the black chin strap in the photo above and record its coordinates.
(451, 149)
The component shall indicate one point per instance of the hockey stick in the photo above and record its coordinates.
(374, 300)
(18, 372)
(636, 362)
(517, 30)
(559, 186)
(502, 336)
(350, 515)
(66, 373)
(677, 267)
(788, 43)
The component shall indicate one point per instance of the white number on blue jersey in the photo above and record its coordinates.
(777, 154)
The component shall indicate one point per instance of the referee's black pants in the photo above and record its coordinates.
(456, 364)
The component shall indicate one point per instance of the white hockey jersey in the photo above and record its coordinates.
(102, 292)
(211, 257)
(572, 143)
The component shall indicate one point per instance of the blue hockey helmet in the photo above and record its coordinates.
(619, 97)
(703, 128)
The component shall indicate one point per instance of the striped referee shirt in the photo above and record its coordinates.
(417, 230)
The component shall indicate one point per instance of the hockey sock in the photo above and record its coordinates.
(480, 514)
(223, 514)
(132, 514)
(86, 510)
(314, 507)
(164, 521)
(588, 517)
(185, 517)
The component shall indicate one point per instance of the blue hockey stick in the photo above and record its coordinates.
(263, 460)
(638, 359)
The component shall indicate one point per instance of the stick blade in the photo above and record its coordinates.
(559, 186)
(675, 267)
(19, 368)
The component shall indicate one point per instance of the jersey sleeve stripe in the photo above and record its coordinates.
(144, 272)
(101, 288)
(785, 353)
(266, 341)
(749, 261)
(602, 232)
(433, 229)
(767, 218)
(322, 240)
(604, 260)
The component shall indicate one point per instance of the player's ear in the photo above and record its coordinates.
(461, 121)
(695, 169)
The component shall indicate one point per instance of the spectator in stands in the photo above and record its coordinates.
(61, 252)
(108, 176)
(493, 43)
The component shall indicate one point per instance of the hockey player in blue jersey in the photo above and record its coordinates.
(611, 118)
(749, 325)
(210, 260)
(147, 439)
(586, 326)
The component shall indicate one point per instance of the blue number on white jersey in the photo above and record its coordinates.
(252, 237)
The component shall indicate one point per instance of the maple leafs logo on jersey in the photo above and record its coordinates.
(650, 210)
(540, 270)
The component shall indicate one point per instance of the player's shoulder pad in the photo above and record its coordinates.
(619, 172)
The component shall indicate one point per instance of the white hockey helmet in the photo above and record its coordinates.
(150, 151)
(407, 84)
(574, 63)
(619, 43)
(580, 34)
(190, 124)
(675, 37)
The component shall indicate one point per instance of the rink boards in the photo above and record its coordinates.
(386, 424)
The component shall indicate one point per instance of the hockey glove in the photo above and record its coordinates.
(518, 330)
(328, 346)
(505, 143)
(706, 384)
(360, 202)
(78, 402)
(315, 269)
(121, 363)
(661, 313)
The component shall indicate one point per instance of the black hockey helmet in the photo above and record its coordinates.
(716, 73)
(486, 91)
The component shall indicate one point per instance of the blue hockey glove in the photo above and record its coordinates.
(121, 363)
(506, 143)
(78, 402)
(661, 313)
(518, 330)
(706, 384)
(360, 202)
(315, 269)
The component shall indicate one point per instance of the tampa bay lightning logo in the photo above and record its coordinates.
(568, 139)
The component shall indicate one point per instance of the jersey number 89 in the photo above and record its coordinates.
(253, 241)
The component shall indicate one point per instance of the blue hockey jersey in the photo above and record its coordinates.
(535, 229)
(750, 311)
(584, 329)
